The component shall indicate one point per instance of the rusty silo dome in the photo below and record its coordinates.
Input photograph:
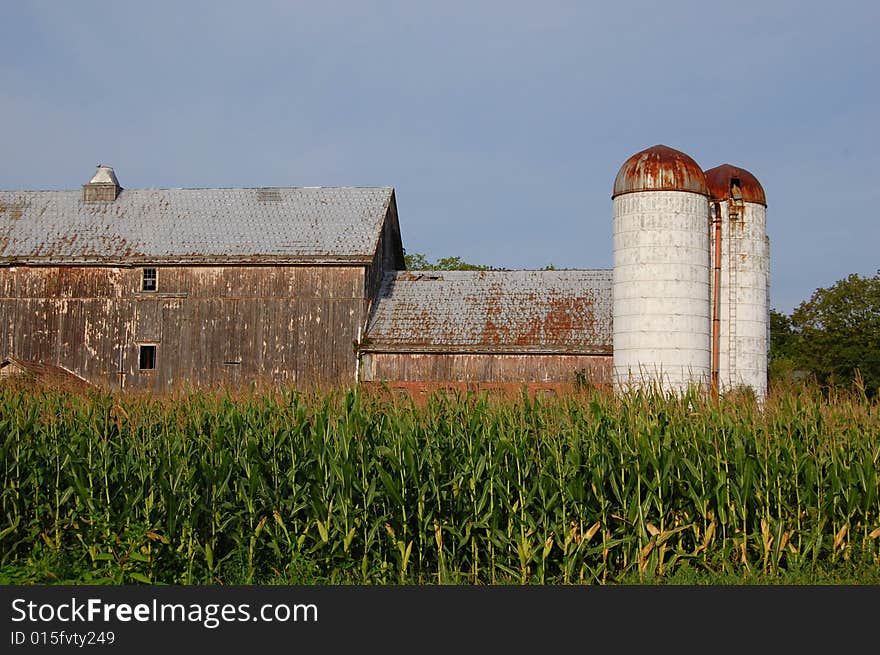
(660, 168)
(722, 181)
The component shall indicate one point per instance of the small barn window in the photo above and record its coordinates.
(149, 280)
(147, 360)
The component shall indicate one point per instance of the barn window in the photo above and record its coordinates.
(149, 280)
(147, 360)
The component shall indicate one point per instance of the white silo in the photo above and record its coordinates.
(743, 297)
(661, 271)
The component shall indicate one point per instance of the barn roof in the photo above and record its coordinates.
(40, 372)
(278, 225)
(492, 311)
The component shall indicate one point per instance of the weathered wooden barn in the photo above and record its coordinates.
(494, 329)
(148, 289)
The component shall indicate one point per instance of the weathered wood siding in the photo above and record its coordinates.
(210, 324)
(484, 367)
(388, 256)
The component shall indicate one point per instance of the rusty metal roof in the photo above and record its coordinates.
(659, 168)
(295, 225)
(492, 311)
(40, 372)
(720, 178)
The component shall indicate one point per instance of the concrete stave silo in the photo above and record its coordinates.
(743, 298)
(661, 311)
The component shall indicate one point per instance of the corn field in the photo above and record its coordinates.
(344, 487)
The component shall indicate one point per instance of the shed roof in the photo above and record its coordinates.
(41, 372)
(255, 225)
(492, 311)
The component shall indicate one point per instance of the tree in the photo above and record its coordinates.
(782, 335)
(783, 344)
(837, 332)
(458, 264)
(418, 262)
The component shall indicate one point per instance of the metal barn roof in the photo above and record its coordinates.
(273, 225)
(567, 311)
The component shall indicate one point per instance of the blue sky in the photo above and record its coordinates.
(501, 125)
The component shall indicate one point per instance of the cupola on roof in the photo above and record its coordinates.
(104, 175)
(723, 180)
(660, 168)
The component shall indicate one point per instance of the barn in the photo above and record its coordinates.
(151, 289)
(489, 330)
(155, 288)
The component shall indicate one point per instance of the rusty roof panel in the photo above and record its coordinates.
(492, 311)
(193, 225)
(12, 367)
(719, 181)
(660, 168)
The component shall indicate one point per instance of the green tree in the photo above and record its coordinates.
(458, 264)
(783, 345)
(782, 335)
(418, 262)
(837, 332)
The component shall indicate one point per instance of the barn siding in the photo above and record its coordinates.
(484, 368)
(388, 257)
(284, 324)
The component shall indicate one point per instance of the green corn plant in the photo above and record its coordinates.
(252, 486)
